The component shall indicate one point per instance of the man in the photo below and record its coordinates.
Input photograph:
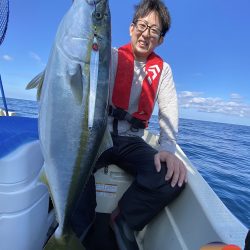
(139, 78)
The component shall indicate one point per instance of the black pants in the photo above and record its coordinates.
(147, 195)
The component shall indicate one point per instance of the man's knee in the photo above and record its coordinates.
(169, 193)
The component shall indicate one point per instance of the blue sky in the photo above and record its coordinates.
(208, 48)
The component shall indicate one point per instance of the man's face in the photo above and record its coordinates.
(145, 36)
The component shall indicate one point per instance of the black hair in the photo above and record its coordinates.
(147, 6)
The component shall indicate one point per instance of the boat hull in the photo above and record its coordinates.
(197, 217)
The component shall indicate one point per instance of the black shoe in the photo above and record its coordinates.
(124, 235)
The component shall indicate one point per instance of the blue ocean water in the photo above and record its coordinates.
(220, 152)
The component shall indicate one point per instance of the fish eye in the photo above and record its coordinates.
(98, 15)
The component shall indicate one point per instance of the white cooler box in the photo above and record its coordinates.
(23, 199)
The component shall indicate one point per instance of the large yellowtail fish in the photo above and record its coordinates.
(73, 109)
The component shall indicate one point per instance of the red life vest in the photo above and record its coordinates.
(124, 78)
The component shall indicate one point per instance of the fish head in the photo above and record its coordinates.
(84, 20)
(101, 23)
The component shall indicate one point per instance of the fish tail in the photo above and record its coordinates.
(66, 242)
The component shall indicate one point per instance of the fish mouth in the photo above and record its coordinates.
(93, 2)
(100, 10)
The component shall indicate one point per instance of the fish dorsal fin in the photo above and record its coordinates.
(37, 82)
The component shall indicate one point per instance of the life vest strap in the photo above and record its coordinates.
(120, 114)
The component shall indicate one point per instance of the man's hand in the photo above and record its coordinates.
(176, 168)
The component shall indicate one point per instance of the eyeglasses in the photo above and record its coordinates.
(154, 31)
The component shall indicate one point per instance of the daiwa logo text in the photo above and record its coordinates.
(152, 72)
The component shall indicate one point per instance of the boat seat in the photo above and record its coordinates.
(24, 199)
(111, 183)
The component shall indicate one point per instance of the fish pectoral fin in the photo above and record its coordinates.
(76, 83)
(69, 241)
(37, 82)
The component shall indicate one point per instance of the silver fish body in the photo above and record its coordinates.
(68, 143)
